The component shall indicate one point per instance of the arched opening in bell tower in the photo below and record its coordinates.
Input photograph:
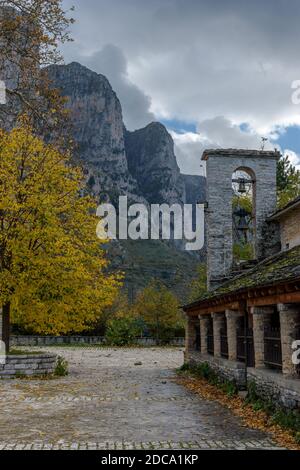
(243, 216)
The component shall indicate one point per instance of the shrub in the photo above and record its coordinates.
(278, 415)
(252, 395)
(61, 367)
(287, 419)
(121, 331)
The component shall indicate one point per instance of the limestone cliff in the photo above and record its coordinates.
(98, 129)
(151, 160)
(141, 164)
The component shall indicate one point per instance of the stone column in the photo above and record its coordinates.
(203, 332)
(190, 335)
(218, 321)
(232, 317)
(1, 320)
(289, 321)
(261, 317)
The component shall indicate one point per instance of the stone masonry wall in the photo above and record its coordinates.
(227, 370)
(88, 340)
(270, 385)
(28, 365)
(290, 229)
(221, 164)
(274, 386)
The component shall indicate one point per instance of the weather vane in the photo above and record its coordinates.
(263, 142)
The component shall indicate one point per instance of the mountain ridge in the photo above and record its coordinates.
(140, 164)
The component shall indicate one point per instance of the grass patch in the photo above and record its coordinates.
(19, 352)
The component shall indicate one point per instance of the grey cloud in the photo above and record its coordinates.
(198, 59)
(221, 132)
(111, 62)
(212, 133)
(188, 154)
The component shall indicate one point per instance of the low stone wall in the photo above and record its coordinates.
(227, 370)
(59, 340)
(27, 365)
(271, 385)
(54, 340)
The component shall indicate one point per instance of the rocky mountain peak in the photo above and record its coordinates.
(98, 129)
(152, 162)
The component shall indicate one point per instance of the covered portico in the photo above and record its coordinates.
(251, 321)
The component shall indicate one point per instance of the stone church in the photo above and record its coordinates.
(246, 325)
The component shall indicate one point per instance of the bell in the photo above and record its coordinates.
(242, 186)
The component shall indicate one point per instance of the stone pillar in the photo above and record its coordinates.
(232, 317)
(289, 321)
(218, 321)
(1, 320)
(190, 336)
(203, 332)
(261, 317)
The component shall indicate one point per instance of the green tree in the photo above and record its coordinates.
(159, 308)
(199, 285)
(122, 331)
(30, 34)
(288, 181)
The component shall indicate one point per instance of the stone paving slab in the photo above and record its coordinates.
(264, 444)
(108, 402)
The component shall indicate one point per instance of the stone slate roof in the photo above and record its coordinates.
(291, 205)
(278, 269)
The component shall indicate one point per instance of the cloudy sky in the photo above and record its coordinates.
(215, 72)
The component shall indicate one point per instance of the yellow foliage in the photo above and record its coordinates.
(158, 307)
(52, 266)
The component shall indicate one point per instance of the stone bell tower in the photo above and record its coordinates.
(221, 164)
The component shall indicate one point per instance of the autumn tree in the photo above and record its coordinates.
(288, 181)
(30, 34)
(53, 275)
(159, 308)
(199, 284)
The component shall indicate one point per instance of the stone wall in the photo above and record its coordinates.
(28, 365)
(54, 340)
(271, 242)
(227, 370)
(290, 229)
(270, 385)
(88, 340)
(274, 386)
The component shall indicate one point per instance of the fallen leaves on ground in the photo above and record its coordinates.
(253, 419)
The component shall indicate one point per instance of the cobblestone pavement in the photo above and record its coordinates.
(117, 399)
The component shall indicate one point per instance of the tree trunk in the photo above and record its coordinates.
(6, 326)
(157, 332)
